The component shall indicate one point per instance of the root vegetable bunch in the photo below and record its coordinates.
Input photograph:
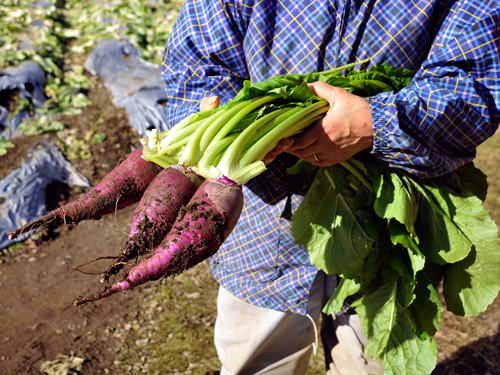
(389, 236)
(188, 180)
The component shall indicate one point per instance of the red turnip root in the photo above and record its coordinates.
(201, 228)
(122, 187)
(156, 212)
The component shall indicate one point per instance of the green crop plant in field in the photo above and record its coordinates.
(54, 33)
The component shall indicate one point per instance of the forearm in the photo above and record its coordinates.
(430, 131)
(435, 125)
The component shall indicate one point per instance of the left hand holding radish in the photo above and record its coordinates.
(346, 130)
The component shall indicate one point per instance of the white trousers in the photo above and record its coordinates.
(254, 340)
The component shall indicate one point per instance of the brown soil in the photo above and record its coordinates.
(36, 289)
(469, 346)
(17, 154)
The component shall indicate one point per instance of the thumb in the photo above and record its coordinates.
(326, 91)
(210, 102)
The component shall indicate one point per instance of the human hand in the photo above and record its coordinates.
(210, 102)
(346, 130)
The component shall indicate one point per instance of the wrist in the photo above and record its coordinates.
(384, 114)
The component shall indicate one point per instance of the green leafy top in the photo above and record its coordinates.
(393, 238)
(379, 78)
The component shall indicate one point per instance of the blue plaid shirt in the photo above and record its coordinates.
(431, 127)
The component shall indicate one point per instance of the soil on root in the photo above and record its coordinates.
(201, 218)
(208, 225)
(150, 235)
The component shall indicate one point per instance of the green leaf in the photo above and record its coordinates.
(473, 179)
(80, 100)
(390, 274)
(43, 124)
(346, 288)
(397, 260)
(24, 104)
(400, 236)
(371, 268)
(472, 283)
(379, 78)
(368, 87)
(54, 69)
(397, 201)
(307, 170)
(358, 171)
(59, 111)
(397, 77)
(426, 309)
(441, 240)
(468, 287)
(4, 145)
(98, 138)
(326, 225)
(75, 149)
(363, 198)
(390, 332)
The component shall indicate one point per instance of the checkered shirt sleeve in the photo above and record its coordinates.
(431, 127)
(435, 125)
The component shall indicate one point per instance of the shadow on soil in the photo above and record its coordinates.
(480, 357)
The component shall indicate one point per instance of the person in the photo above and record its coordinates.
(270, 295)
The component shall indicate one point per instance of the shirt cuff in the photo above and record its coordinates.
(385, 123)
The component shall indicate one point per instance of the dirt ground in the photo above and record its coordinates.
(38, 321)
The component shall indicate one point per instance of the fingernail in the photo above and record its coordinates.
(268, 161)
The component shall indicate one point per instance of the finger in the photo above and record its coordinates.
(325, 91)
(268, 161)
(283, 146)
(319, 162)
(211, 102)
(308, 152)
(312, 155)
(309, 137)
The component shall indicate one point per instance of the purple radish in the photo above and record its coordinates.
(156, 212)
(200, 230)
(121, 187)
